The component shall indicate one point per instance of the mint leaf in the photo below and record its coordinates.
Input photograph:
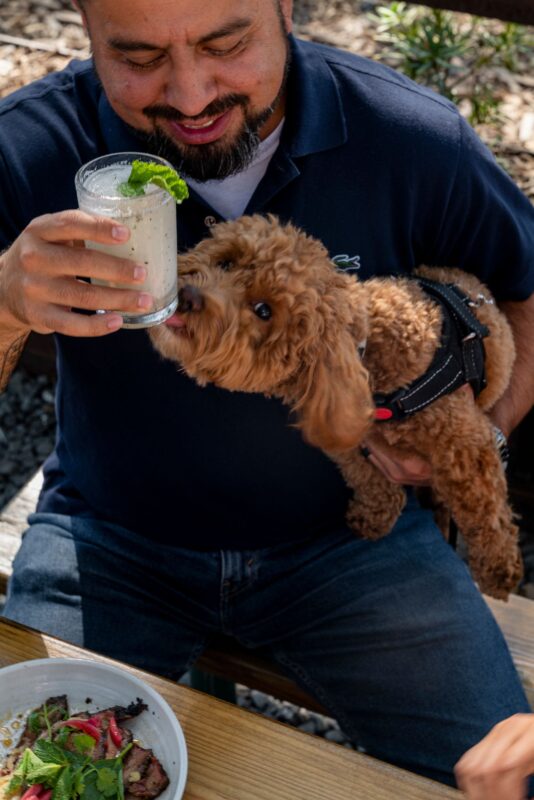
(23, 766)
(43, 773)
(63, 787)
(50, 752)
(144, 172)
(36, 722)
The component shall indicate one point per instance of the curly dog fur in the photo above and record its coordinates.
(306, 352)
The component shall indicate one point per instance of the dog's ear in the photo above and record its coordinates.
(335, 408)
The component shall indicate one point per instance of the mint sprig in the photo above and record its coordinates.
(144, 172)
(70, 775)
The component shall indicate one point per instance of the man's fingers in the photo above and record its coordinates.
(495, 785)
(62, 320)
(497, 767)
(74, 224)
(73, 293)
(404, 468)
(40, 258)
(412, 470)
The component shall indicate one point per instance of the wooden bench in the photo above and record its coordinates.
(520, 11)
(230, 662)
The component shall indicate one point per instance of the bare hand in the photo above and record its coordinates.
(497, 768)
(405, 469)
(40, 277)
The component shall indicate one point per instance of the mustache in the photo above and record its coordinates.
(218, 106)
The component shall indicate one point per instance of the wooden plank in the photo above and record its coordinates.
(516, 620)
(13, 523)
(239, 665)
(240, 755)
(521, 11)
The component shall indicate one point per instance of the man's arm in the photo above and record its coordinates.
(11, 347)
(519, 396)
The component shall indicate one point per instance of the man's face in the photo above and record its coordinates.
(202, 80)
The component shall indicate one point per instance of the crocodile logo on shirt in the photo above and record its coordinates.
(346, 263)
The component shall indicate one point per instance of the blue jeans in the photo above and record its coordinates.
(391, 636)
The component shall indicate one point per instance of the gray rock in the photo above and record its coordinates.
(335, 735)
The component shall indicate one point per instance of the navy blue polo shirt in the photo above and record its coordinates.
(384, 172)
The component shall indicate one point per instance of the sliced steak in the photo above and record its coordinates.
(57, 708)
(135, 765)
(153, 783)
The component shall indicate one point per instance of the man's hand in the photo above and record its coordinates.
(497, 768)
(408, 470)
(40, 277)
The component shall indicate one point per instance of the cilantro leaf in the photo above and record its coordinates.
(83, 743)
(144, 172)
(90, 792)
(106, 781)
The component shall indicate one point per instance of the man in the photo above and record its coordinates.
(171, 513)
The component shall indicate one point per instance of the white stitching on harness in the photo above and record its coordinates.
(430, 378)
(438, 394)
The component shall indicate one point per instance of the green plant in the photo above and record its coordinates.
(448, 52)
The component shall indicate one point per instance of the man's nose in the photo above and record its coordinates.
(190, 299)
(190, 91)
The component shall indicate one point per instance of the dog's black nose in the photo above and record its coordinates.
(190, 299)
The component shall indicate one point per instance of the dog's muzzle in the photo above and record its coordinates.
(189, 299)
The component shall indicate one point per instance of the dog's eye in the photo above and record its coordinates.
(224, 264)
(262, 310)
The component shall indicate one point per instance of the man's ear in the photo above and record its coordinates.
(286, 9)
(77, 7)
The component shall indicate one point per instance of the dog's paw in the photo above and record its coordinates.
(499, 579)
(371, 525)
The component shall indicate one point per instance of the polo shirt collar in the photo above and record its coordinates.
(315, 119)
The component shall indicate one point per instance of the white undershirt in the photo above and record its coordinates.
(230, 196)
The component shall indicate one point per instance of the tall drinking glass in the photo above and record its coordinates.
(151, 218)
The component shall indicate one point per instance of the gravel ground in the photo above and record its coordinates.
(27, 429)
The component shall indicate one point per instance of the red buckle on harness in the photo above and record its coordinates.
(383, 413)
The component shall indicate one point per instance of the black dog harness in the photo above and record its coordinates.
(458, 360)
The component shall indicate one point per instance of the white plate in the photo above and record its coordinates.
(27, 685)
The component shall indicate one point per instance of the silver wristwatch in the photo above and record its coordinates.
(502, 445)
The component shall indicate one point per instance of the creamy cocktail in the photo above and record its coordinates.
(151, 217)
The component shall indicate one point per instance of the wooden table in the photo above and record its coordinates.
(237, 755)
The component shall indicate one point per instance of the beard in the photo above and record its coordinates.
(214, 160)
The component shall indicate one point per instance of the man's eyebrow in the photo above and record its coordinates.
(233, 26)
(229, 28)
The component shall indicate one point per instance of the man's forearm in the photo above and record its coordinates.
(519, 397)
(12, 343)
(11, 348)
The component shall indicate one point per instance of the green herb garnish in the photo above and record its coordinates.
(70, 775)
(144, 172)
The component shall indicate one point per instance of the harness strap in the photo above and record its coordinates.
(458, 360)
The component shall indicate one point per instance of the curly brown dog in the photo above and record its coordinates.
(263, 309)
